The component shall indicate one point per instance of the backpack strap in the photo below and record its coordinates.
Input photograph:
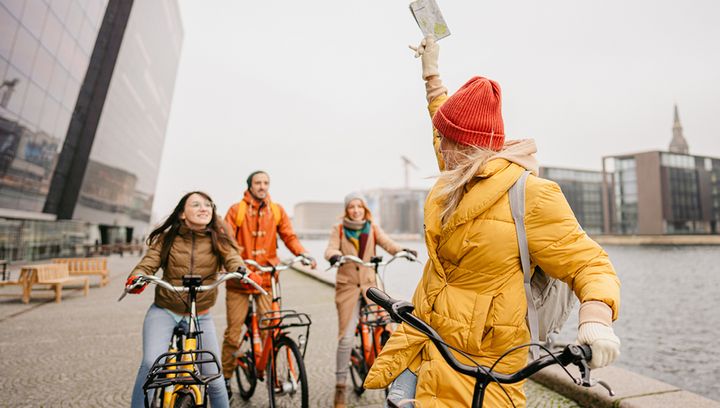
(242, 209)
(517, 207)
(240, 215)
(277, 215)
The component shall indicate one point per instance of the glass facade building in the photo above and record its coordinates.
(662, 193)
(47, 50)
(583, 191)
(399, 211)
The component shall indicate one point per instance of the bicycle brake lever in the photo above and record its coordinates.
(401, 307)
(606, 386)
(586, 381)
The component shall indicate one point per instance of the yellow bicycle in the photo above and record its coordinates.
(175, 379)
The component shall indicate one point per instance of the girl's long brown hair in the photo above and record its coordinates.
(170, 229)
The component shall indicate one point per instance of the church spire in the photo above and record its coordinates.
(678, 143)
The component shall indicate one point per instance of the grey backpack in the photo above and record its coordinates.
(549, 300)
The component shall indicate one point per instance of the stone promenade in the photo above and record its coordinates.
(85, 351)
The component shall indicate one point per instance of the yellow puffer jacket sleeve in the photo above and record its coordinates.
(397, 354)
(563, 250)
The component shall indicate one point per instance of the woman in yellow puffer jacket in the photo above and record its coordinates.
(472, 289)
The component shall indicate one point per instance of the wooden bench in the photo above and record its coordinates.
(86, 266)
(56, 275)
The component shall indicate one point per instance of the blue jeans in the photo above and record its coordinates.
(157, 332)
(403, 388)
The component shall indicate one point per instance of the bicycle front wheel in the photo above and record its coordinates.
(286, 376)
(184, 400)
(245, 370)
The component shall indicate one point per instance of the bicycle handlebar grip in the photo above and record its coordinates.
(381, 298)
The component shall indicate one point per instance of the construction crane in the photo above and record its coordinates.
(407, 163)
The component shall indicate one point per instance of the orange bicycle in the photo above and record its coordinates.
(276, 358)
(374, 324)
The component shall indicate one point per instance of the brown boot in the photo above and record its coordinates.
(339, 396)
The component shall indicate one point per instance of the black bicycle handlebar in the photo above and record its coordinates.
(401, 311)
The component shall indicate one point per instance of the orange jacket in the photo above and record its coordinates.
(258, 233)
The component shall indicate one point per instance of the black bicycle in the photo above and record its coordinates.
(579, 355)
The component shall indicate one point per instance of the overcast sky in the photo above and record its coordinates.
(326, 96)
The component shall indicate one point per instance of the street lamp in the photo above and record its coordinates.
(9, 85)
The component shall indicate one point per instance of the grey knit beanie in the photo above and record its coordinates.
(355, 195)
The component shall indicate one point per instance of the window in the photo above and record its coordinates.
(42, 70)
(33, 104)
(66, 50)
(60, 8)
(8, 27)
(34, 17)
(57, 82)
(23, 53)
(72, 90)
(73, 21)
(52, 33)
(49, 117)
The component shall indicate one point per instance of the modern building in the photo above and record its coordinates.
(312, 218)
(399, 211)
(85, 94)
(584, 192)
(662, 192)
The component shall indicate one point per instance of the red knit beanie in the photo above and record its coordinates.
(472, 116)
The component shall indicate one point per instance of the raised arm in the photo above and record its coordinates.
(435, 91)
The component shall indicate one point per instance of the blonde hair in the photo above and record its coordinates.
(452, 181)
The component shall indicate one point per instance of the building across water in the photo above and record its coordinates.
(584, 191)
(646, 193)
(85, 95)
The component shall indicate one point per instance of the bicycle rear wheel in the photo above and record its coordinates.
(245, 374)
(286, 376)
(358, 365)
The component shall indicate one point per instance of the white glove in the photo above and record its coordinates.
(602, 340)
(429, 50)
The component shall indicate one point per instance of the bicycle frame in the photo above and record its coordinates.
(275, 322)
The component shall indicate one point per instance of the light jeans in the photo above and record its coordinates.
(403, 388)
(157, 332)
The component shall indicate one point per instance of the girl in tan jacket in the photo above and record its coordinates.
(192, 240)
(357, 235)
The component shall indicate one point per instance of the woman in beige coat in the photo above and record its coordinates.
(357, 235)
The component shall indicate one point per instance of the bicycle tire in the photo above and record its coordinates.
(358, 365)
(277, 396)
(245, 373)
(184, 400)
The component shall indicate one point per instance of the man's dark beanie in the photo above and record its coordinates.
(250, 177)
